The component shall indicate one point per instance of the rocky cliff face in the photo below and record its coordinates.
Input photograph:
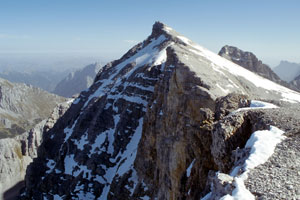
(249, 61)
(77, 81)
(158, 124)
(16, 153)
(23, 106)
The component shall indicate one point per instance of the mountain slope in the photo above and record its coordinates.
(22, 106)
(16, 153)
(157, 123)
(249, 61)
(287, 71)
(77, 81)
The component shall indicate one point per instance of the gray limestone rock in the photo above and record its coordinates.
(155, 124)
(18, 152)
(23, 106)
(249, 61)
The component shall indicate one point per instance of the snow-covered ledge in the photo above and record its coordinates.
(262, 145)
(254, 105)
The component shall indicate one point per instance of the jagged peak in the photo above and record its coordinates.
(160, 28)
(227, 49)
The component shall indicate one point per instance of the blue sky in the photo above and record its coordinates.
(269, 28)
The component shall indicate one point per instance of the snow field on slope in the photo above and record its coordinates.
(255, 105)
(221, 63)
(148, 55)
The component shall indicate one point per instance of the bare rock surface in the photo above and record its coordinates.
(249, 61)
(158, 124)
(23, 106)
(18, 152)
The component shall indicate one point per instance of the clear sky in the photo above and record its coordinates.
(268, 28)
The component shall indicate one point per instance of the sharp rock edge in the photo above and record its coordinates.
(155, 124)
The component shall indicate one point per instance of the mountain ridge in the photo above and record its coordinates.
(165, 104)
(22, 106)
(249, 61)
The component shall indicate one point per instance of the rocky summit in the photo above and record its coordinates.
(172, 120)
(249, 61)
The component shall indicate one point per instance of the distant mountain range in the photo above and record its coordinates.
(287, 71)
(77, 81)
(46, 80)
(64, 83)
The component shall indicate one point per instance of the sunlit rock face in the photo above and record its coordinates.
(23, 106)
(157, 124)
(18, 152)
(249, 61)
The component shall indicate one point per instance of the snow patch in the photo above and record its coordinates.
(57, 197)
(50, 164)
(262, 145)
(254, 105)
(226, 91)
(144, 56)
(74, 169)
(221, 64)
(125, 160)
(184, 39)
(189, 169)
(207, 197)
(83, 140)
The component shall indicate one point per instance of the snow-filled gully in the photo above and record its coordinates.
(262, 145)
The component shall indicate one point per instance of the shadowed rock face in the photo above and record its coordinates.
(156, 124)
(249, 61)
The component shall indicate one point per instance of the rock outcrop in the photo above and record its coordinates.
(77, 81)
(158, 124)
(18, 152)
(249, 61)
(23, 106)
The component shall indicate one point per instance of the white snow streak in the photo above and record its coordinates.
(146, 55)
(262, 145)
(220, 64)
(256, 105)
(189, 169)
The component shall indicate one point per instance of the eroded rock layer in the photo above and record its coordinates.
(156, 124)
